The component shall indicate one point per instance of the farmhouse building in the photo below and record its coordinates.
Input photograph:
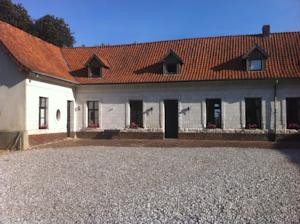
(230, 87)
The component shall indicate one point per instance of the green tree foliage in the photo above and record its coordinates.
(16, 15)
(48, 28)
(54, 30)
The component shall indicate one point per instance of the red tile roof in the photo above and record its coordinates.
(33, 53)
(212, 58)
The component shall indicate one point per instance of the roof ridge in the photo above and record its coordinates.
(63, 56)
(175, 40)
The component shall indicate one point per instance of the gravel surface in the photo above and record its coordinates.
(150, 185)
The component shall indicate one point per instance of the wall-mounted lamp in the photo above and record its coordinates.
(183, 111)
(148, 110)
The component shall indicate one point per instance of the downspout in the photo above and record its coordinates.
(275, 109)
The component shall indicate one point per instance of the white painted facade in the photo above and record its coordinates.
(114, 104)
(57, 96)
(20, 93)
(12, 95)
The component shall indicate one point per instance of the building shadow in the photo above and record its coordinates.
(289, 145)
(235, 64)
(154, 69)
(80, 72)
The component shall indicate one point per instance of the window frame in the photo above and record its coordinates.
(139, 115)
(294, 121)
(258, 123)
(94, 109)
(210, 113)
(45, 112)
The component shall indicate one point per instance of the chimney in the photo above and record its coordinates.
(266, 30)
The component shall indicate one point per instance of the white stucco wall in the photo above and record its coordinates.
(57, 95)
(114, 103)
(12, 95)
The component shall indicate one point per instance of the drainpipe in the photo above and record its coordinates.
(275, 109)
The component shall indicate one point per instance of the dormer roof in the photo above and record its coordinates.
(256, 48)
(102, 61)
(171, 53)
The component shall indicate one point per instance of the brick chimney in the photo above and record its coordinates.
(266, 30)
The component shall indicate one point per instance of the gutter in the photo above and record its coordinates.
(37, 74)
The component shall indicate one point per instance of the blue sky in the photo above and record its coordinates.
(120, 21)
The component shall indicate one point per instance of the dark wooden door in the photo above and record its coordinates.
(171, 118)
(69, 105)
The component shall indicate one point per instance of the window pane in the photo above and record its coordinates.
(293, 113)
(255, 65)
(43, 112)
(96, 105)
(172, 68)
(253, 112)
(90, 105)
(42, 102)
(213, 111)
(136, 113)
(95, 70)
(93, 116)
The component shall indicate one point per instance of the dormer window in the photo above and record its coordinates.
(171, 68)
(95, 71)
(255, 64)
(95, 66)
(256, 59)
(171, 63)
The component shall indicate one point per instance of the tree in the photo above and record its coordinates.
(54, 30)
(16, 15)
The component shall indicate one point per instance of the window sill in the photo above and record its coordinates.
(93, 129)
(134, 129)
(43, 128)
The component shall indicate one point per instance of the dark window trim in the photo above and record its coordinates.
(45, 108)
(139, 123)
(210, 118)
(95, 109)
(258, 124)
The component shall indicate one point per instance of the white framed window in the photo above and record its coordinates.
(43, 113)
(93, 114)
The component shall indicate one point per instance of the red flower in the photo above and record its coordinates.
(293, 126)
(210, 125)
(133, 125)
(251, 126)
(93, 125)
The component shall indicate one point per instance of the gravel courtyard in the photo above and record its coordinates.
(150, 185)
